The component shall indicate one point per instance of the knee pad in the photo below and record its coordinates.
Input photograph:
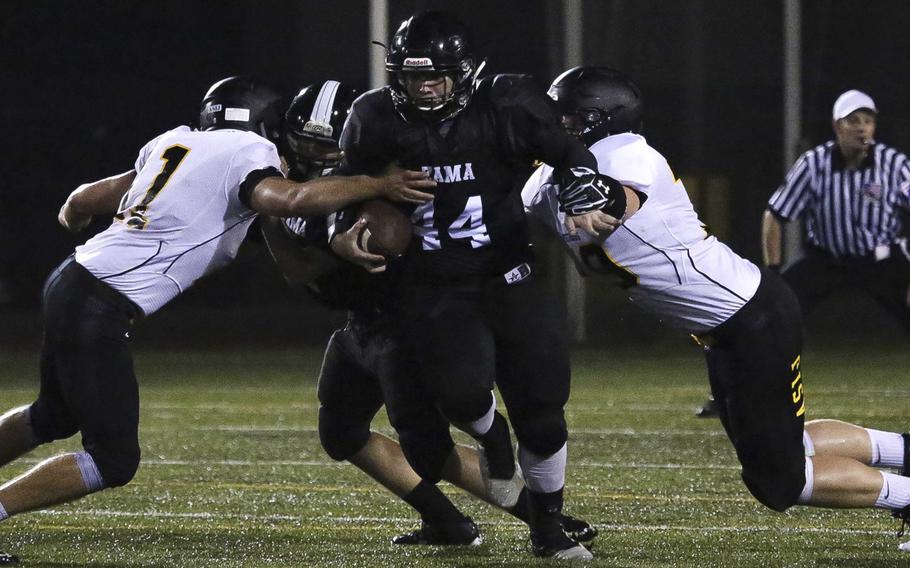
(49, 424)
(426, 453)
(116, 460)
(778, 490)
(543, 432)
(341, 435)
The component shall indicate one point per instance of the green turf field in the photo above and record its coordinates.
(233, 474)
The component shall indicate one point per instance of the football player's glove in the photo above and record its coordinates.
(588, 191)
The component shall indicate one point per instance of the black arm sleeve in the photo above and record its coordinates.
(533, 125)
(252, 179)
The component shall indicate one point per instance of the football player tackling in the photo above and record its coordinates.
(180, 214)
(747, 319)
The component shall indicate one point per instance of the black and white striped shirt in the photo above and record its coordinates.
(848, 212)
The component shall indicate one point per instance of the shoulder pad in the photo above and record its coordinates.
(627, 158)
(371, 100)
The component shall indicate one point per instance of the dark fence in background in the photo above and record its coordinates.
(87, 83)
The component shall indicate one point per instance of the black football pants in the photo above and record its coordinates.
(87, 379)
(754, 365)
(468, 336)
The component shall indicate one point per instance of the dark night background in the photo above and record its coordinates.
(86, 83)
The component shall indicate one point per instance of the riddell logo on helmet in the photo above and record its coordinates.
(418, 62)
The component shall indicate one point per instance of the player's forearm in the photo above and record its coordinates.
(325, 195)
(771, 239)
(279, 197)
(564, 153)
(96, 198)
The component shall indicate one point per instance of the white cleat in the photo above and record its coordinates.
(502, 492)
(905, 547)
(579, 553)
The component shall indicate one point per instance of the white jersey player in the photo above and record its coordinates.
(662, 253)
(748, 319)
(182, 213)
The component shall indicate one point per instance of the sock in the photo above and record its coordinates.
(545, 511)
(3, 514)
(806, 494)
(90, 474)
(543, 474)
(497, 448)
(521, 508)
(887, 448)
(895, 494)
(434, 507)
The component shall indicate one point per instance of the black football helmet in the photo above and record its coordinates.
(244, 104)
(596, 102)
(313, 124)
(432, 42)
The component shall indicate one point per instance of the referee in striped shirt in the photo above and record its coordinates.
(852, 193)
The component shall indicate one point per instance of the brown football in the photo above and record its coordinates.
(388, 229)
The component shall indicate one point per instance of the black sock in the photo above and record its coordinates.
(545, 510)
(521, 508)
(497, 446)
(434, 507)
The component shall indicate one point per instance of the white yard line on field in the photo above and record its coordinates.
(312, 463)
(331, 519)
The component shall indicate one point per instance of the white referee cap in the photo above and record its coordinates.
(850, 101)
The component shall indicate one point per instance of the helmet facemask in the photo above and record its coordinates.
(309, 156)
(457, 86)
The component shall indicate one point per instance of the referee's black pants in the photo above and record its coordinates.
(818, 274)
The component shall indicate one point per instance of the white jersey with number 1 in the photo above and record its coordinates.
(662, 253)
(182, 218)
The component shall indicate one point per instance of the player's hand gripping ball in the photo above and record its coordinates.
(388, 229)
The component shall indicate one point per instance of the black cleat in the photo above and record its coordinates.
(709, 409)
(8, 559)
(558, 546)
(464, 533)
(577, 529)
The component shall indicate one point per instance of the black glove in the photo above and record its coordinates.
(775, 268)
(588, 191)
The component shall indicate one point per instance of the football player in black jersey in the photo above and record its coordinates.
(475, 307)
(361, 358)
